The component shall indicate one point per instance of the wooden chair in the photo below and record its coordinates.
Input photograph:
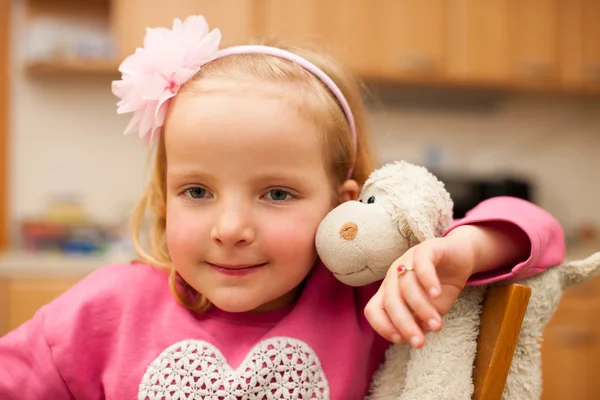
(501, 319)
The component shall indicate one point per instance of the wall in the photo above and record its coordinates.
(66, 138)
(553, 141)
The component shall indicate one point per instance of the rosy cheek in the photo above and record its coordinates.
(294, 236)
(184, 233)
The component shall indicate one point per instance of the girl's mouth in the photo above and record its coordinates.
(236, 270)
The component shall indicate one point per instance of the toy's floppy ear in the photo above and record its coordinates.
(417, 201)
(423, 219)
(424, 209)
(421, 224)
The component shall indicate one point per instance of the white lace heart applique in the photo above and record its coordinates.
(278, 368)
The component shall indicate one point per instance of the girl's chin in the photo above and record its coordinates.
(248, 305)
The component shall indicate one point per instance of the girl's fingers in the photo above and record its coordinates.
(419, 302)
(399, 314)
(443, 303)
(379, 320)
(424, 262)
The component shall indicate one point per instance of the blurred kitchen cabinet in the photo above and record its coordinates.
(347, 28)
(3, 306)
(534, 32)
(407, 38)
(571, 346)
(478, 42)
(552, 44)
(234, 18)
(377, 39)
(293, 21)
(21, 298)
(591, 42)
(340, 27)
(502, 42)
(580, 44)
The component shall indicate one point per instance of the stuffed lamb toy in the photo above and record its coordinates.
(400, 206)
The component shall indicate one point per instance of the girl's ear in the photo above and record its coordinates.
(348, 190)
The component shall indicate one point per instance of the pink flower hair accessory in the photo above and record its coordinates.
(155, 73)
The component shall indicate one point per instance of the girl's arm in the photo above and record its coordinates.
(27, 369)
(516, 239)
(503, 238)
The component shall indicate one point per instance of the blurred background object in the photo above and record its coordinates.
(497, 97)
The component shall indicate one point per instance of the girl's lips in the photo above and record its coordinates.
(236, 270)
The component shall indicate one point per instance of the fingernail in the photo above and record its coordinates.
(415, 341)
(434, 323)
(396, 338)
(433, 292)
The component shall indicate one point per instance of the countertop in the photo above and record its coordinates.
(46, 266)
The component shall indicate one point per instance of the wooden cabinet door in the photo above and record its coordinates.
(130, 18)
(338, 27)
(571, 347)
(347, 29)
(3, 306)
(580, 43)
(25, 296)
(407, 38)
(478, 42)
(534, 41)
(571, 43)
(374, 38)
(294, 22)
(591, 43)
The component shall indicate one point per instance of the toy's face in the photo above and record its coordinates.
(358, 240)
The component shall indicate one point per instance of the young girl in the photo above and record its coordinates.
(254, 146)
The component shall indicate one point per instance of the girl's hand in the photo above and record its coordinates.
(435, 272)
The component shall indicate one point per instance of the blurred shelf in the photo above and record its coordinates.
(78, 67)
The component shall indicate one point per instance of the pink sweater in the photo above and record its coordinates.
(119, 334)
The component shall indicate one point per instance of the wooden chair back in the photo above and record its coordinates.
(501, 319)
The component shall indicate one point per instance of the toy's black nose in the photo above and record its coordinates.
(349, 231)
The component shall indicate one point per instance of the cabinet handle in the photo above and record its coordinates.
(535, 69)
(417, 62)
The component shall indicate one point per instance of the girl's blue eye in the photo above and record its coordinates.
(197, 193)
(278, 195)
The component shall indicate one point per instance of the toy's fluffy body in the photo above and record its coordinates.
(400, 206)
(442, 368)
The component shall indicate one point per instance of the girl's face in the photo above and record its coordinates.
(246, 190)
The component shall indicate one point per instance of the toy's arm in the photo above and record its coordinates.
(544, 232)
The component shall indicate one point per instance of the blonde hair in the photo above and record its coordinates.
(316, 102)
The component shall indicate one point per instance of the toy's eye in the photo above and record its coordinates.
(360, 200)
(371, 200)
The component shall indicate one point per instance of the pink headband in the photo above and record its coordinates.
(154, 74)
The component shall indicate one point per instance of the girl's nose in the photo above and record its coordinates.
(233, 229)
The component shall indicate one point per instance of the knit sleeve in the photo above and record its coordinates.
(27, 368)
(544, 232)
